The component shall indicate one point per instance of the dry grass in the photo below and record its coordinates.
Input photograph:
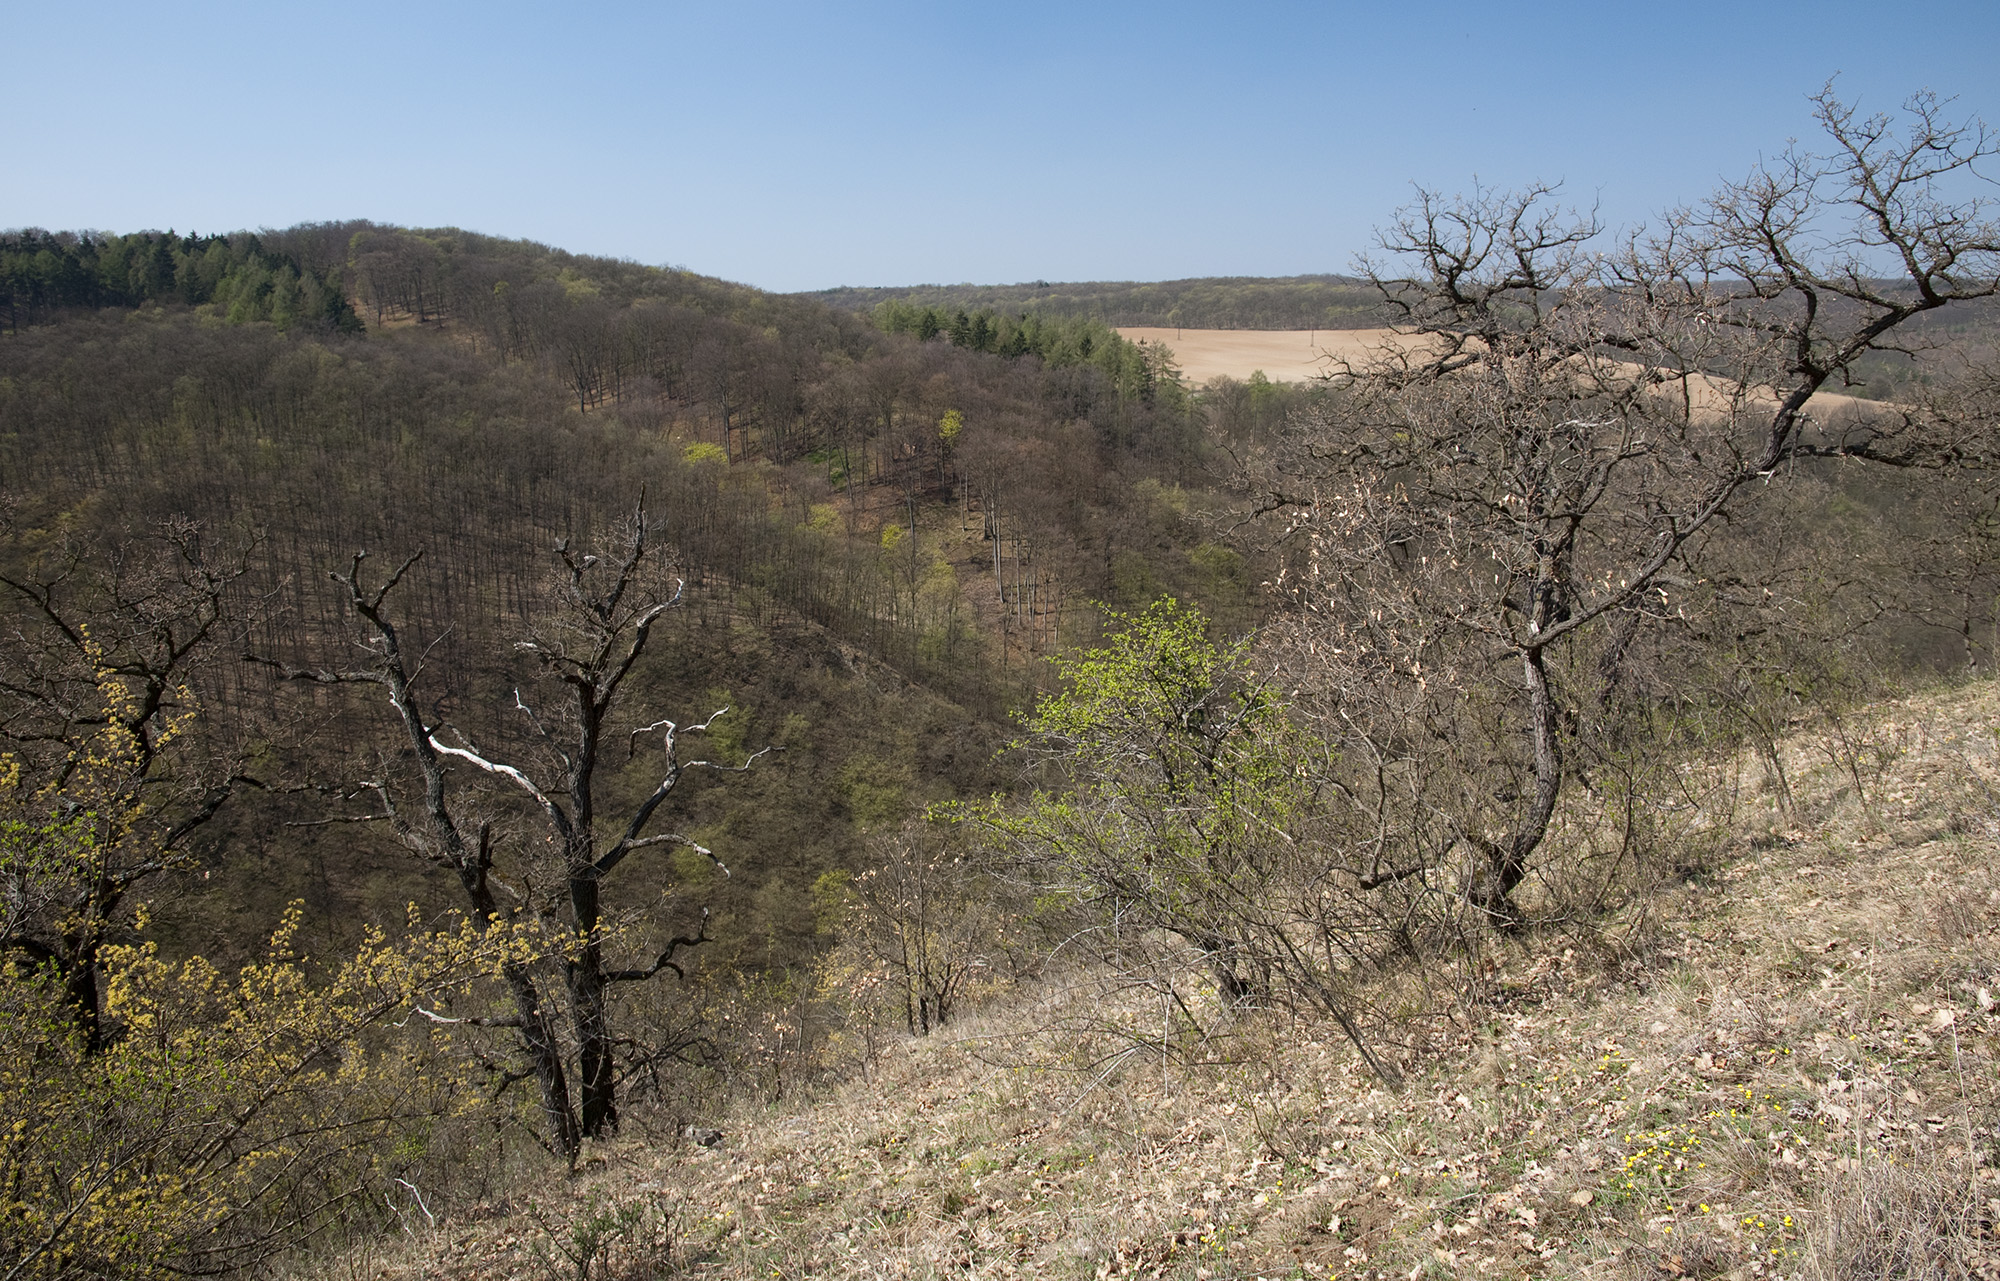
(1785, 1068)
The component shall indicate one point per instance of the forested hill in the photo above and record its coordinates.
(462, 701)
(1209, 302)
(881, 533)
(584, 647)
(327, 274)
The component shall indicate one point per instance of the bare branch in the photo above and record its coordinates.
(675, 838)
(468, 1020)
(549, 807)
(665, 959)
(341, 818)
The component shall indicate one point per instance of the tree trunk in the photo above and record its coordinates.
(1507, 864)
(596, 1061)
(538, 1043)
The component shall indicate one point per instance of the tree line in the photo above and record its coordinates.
(1209, 302)
(237, 276)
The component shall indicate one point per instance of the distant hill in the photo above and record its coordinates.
(1209, 302)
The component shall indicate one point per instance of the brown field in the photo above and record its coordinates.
(1295, 355)
(1285, 355)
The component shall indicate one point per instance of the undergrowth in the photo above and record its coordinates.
(1780, 1064)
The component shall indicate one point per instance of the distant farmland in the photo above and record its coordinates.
(1285, 355)
(1295, 355)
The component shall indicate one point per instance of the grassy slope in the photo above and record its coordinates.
(1776, 1069)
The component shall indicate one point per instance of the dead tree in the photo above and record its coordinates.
(605, 612)
(436, 832)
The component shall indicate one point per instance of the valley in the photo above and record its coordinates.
(520, 763)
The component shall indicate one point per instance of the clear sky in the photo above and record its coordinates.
(804, 145)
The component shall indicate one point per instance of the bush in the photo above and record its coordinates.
(228, 1115)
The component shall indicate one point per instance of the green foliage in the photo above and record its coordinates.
(1059, 343)
(1190, 810)
(231, 1114)
(875, 791)
(1179, 770)
(42, 273)
(1162, 714)
(1213, 302)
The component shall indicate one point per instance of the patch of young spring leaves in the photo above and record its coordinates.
(227, 1112)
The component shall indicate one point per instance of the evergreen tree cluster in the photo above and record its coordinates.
(1061, 342)
(42, 273)
(1220, 302)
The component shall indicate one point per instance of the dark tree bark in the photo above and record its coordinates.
(597, 629)
(437, 833)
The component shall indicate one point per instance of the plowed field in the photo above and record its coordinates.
(1285, 355)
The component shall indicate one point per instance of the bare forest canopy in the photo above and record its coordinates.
(1208, 302)
(897, 509)
(881, 535)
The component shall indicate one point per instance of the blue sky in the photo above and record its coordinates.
(800, 146)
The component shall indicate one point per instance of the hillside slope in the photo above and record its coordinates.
(1781, 1066)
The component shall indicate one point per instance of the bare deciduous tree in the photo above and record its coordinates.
(604, 613)
(1489, 520)
(921, 917)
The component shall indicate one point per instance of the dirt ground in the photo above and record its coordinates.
(1295, 355)
(1285, 355)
